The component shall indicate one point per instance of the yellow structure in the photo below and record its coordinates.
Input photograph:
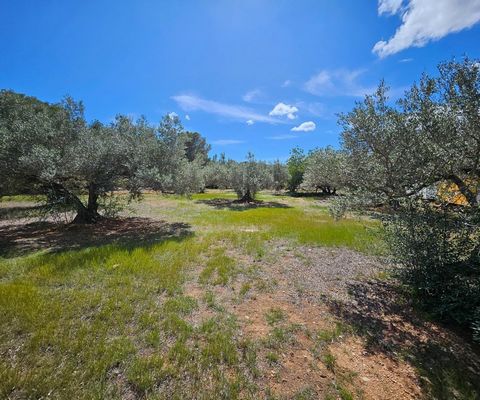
(449, 192)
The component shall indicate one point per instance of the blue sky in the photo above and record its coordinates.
(250, 75)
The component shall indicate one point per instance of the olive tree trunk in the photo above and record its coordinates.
(88, 214)
(246, 198)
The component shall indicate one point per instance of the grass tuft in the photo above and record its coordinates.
(220, 269)
(275, 315)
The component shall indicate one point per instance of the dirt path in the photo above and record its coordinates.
(344, 332)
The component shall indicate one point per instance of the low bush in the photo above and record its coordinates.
(438, 251)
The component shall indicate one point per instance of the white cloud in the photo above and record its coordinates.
(187, 117)
(250, 122)
(424, 21)
(315, 109)
(287, 83)
(282, 109)
(340, 82)
(193, 103)
(406, 60)
(172, 115)
(252, 95)
(226, 142)
(389, 6)
(281, 137)
(305, 127)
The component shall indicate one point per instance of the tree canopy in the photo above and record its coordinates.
(51, 149)
(429, 135)
(196, 147)
(325, 170)
(296, 168)
(250, 176)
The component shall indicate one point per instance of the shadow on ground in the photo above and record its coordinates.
(317, 195)
(448, 363)
(235, 205)
(19, 239)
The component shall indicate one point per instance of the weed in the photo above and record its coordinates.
(330, 335)
(307, 393)
(249, 355)
(244, 289)
(278, 337)
(272, 358)
(344, 393)
(176, 326)
(275, 315)
(330, 361)
(209, 299)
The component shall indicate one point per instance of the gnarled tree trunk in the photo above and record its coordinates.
(85, 214)
(88, 214)
(246, 198)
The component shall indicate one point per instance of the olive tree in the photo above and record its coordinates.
(196, 146)
(189, 177)
(445, 111)
(249, 177)
(51, 149)
(279, 175)
(296, 168)
(430, 135)
(383, 149)
(439, 252)
(217, 172)
(325, 170)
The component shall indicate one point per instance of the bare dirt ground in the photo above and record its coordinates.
(335, 306)
(308, 281)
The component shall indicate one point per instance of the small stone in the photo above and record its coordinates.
(365, 379)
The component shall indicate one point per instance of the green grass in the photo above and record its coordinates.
(330, 361)
(303, 226)
(73, 319)
(219, 270)
(272, 358)
(22, 198)
(77, 314)
(275, 315)
(215, 195)
(344, 393)
(330, 335)
(280, 336)
(98, 322)
(244, 289)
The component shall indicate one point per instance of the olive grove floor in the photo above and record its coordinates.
(204, 298)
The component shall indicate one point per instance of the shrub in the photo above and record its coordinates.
(438, 251)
